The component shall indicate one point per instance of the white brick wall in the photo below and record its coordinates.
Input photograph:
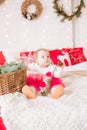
(81, 29)
(17, 33)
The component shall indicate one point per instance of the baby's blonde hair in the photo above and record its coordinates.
(37, 51)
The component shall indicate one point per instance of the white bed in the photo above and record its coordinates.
(69, 112)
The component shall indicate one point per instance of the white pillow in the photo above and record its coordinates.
(80, 66)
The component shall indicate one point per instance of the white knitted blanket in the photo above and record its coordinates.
(69, 112)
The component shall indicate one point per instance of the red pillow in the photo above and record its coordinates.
(2, 126)
(58, 57)
(54, 55)
(76, 55)
(28, 56)
(64, 58)
(2, 58)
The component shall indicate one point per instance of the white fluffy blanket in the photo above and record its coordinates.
(69, 112)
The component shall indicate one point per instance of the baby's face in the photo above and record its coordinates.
(43, 58)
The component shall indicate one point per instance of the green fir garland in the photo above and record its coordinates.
(11, 67)
(61, 12)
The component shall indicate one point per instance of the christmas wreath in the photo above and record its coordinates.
(26, 13)
(61, 12)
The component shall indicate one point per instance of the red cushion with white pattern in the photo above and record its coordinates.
(58, 56)
(54, 55)
(76, 55)
(68, 56)
(64, 58)
(27, 56)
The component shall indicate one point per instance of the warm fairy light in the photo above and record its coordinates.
(46, 16)
(6, 35)
(44, 30)
(43, 44)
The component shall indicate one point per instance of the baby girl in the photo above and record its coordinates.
(42, 77)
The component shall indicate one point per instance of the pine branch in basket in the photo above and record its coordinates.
(11, 67)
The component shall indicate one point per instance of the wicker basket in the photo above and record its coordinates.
(11, 82)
